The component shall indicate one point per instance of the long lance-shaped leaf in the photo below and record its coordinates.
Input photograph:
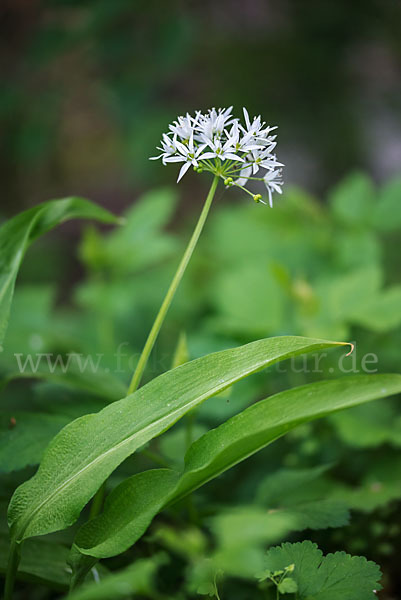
(88, 450)
(132, 505)
(19, 232)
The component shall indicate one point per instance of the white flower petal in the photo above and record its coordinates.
(246, 116)
(183, 170)
(231, 156)
(175, 159)
(244, 174)
(207, 155)
(182, 148)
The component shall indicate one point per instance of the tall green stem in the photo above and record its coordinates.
(154, 332)
(12, 567)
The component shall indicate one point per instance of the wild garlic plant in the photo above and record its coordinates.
(85, 452)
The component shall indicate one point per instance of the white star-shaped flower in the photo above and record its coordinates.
(219, 143)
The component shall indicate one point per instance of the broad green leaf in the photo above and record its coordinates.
(174, 443)
(344, 295)
(336, 576)
(342, 299)
(376, 424)
(371, 495)
(124, 519)
(31, 327)
(248, 525)
(56, 399)
(381, 311)
(138, 579)
(319, 514)
(140, 243)
(18, 233)
(387, 213)
(249, 299)
(74, 371)
(356, 248)
(283, 492)
(377, 488)
(42, 561)
(352, 200)
(358, 298)
(279, 487)
(203, 577)
(88, 450)
(24, 436)
(239, 234)
(181, 352)
(287, 586)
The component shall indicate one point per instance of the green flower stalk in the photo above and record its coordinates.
(151, 339)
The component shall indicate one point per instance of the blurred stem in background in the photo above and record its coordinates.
(154, 332)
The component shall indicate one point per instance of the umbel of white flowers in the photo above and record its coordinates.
(219, 143)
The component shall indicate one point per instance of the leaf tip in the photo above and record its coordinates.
(352, 346)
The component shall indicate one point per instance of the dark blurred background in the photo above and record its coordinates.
(88, 87)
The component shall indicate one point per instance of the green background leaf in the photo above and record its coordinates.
(18, 233)
(336, 576)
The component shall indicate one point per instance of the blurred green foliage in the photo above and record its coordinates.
(303, 267)
(91, 85)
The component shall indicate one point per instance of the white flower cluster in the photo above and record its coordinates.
(219, 143)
